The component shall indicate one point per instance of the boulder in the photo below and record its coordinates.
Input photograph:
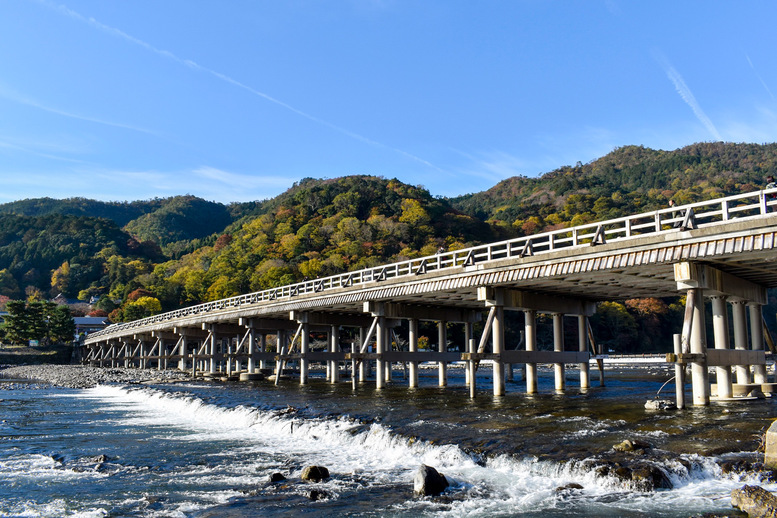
(635, 446)
(429, 482)
(659, 404)
(277, 477)
(649, 478)
(770, 448)
(315, 473)
(755, 501)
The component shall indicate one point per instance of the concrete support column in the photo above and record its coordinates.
(182, 350)
(304, 349)
(212, 351)
(280, 345)
(251, 350)
(364, 365)
(228, 357)
(530, 328)
(582, 340)
(334, 346)
(558, 346)
(701, 381)
(442, 346)
(720, 336)
(380, 372)
(739, 318)
(413, 345)
(263, 349)
(144, 354)
(469, 346)
(757, 339)
(161, 364)
(498, 336)
(679, 373)
(387, 364)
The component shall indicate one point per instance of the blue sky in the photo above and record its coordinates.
(236, 100)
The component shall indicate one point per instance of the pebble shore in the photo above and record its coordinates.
(83, 376)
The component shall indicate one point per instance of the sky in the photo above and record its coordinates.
(236, 100)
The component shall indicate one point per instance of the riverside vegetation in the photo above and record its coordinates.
(139, 258)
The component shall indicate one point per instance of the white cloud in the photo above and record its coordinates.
(687, 95)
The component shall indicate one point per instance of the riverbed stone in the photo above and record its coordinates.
(755, 501)
(770, 450)
(315, 473)
(429, 482)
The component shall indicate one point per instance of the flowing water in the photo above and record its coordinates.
(205, 449)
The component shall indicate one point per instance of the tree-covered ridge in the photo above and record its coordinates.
(182, 218)
(61, 253)
(628, 180)
(119, 212)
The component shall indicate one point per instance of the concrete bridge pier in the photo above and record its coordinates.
(380, 346)
(530, 329)
(582, 342)
(143, 354)
(251, 348)
(263, 348)
(334, 346)
(304, 364)
(364, 366)
(698, 343)
(442, 347)
(412, 337)
(498, 343)
(558, 346)
(740, 337)
(469, 347)
(720, 336)
(757, 339)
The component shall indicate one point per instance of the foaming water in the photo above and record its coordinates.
(208, 450)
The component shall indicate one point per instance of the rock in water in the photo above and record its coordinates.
(277, 477)
(755, 501)
(659, 404)
(315, 473)
(429, 482)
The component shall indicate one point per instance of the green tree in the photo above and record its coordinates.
(62, 327)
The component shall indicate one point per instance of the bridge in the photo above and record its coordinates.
(721, 250)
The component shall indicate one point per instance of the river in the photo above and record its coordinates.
(207, 449)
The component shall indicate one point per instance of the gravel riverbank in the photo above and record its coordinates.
(83, 376)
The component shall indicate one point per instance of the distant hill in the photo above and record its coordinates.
(181, 218)
(120, 213)
(161, 220)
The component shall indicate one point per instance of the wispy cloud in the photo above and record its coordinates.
(227, 79)
(766, 87)
(9, 94)
(687, 95)
(241, 181)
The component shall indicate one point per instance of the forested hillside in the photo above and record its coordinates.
(156, 255)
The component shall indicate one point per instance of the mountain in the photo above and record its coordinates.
(120, 213)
